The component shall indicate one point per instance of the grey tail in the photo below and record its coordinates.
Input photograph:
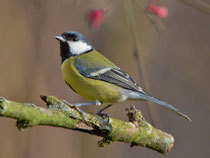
(164, 104)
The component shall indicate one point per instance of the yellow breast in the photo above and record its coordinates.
(89, 88)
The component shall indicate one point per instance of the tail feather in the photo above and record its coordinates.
(164, 104)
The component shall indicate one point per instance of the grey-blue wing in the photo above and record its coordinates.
(120, 78)
(112, 75)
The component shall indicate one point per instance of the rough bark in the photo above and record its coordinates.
(136, 131)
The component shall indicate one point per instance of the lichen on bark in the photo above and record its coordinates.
(137, 131)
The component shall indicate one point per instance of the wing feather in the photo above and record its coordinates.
(105, 71)
(112, 75)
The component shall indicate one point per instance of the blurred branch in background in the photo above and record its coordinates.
(197, 4)
(137, 131)
(136, 51)
(94, 17)
(153, 13)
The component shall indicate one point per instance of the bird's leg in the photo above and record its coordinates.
(100, 113)
(77, 105)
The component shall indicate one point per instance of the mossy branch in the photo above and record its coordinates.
(136, 131)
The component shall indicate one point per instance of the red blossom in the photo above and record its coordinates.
(158, 10)
(94, 18)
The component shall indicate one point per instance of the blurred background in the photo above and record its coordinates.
(174, 67)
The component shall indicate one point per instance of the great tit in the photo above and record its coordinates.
(96, 78)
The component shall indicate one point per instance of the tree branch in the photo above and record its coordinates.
(137, 131)
(198, 4)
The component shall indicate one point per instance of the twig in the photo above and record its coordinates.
(137, 131)
(154, 19)
(137, 58)
(197, 4)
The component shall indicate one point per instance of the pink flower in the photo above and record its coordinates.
(158, 10)
(94, 18)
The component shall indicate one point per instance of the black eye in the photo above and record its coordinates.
(71, 37)
(75, 39)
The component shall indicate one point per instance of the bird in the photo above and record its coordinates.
(94, 77)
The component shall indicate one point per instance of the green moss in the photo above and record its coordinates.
(58, 114)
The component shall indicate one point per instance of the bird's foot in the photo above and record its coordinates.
(104, 119)
(76, 107)
(103, 115)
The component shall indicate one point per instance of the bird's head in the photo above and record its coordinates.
(73, 43)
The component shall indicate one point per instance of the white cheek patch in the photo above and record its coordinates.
(78, 47)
